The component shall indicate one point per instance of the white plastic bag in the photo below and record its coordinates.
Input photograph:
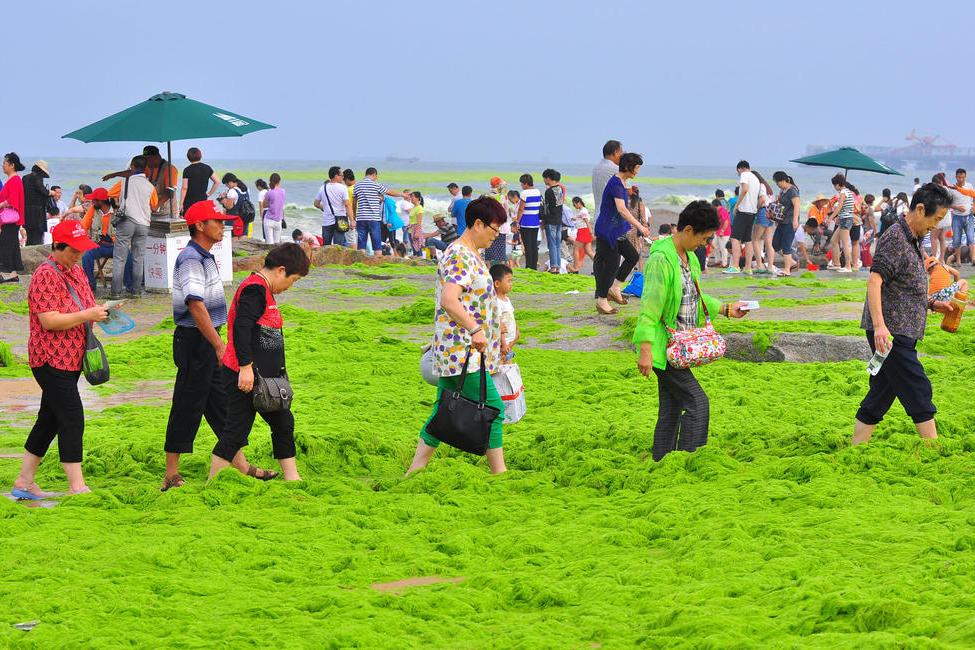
(427, 368)
(509, 384)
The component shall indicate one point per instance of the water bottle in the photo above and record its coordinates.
(877, 360)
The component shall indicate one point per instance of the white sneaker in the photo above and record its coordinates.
(843, 269)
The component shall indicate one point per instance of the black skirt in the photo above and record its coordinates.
(10, 260)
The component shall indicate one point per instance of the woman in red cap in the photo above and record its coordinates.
(11, 219)
(60, 304)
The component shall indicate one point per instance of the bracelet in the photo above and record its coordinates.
(474, 331)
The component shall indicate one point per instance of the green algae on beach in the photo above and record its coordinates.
(777, 534)
(414, 179)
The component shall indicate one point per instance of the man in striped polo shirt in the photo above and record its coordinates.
(367, 198)
(200, 310)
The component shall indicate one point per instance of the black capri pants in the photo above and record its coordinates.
(902, 376)
(61, 414)
(683, 415)
(199, 391)
(240, 420)
(607, 267)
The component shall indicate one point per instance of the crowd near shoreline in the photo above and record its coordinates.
(908, 244)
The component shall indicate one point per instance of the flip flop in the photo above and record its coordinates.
(25, 495)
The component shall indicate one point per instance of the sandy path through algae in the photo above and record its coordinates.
(776, 534)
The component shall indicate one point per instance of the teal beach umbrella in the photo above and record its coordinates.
(847, 158)
(166, 117)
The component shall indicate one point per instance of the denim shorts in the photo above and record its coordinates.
(761, 219)
(846, 223)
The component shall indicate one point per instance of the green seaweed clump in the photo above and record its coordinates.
(6, 355)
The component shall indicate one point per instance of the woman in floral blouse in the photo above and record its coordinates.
(55, 349)
(467, 316)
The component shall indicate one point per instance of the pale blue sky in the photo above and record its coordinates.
(683, 82)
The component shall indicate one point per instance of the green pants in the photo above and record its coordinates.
(472, 390)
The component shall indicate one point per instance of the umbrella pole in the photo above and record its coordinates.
(169, 161)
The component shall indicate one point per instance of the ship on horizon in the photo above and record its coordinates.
(924, 152)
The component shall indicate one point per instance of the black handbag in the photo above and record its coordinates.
(94, 364)
(272, 394)
(460, 421)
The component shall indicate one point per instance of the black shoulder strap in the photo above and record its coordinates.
(328, 200)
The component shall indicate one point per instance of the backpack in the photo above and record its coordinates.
(888, 217)
(244, 208)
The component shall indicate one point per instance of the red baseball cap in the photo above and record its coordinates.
(71, 233)
(205, 211)
(100, 194)
(496, 180)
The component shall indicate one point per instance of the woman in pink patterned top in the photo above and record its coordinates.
(55, 349)
(467, 320)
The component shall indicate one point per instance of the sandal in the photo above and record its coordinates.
(174, 481)
(265, 475)
(619, 301)
(612, 310)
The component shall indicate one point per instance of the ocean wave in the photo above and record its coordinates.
(675, 200)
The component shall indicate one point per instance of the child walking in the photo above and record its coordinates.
(582, 247)
(504, 278)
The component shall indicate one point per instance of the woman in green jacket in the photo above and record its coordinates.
(671, 299)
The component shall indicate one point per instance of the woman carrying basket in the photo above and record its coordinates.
(672, 302)
(468, 323)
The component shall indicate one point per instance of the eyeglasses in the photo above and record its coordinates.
(498, 230)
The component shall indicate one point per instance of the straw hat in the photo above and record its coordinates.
(43, 165)
(820, 197)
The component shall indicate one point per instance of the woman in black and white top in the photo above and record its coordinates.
(842, 217)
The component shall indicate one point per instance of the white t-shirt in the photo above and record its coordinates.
(582, 218)
(508, 318)
(334, 194)
(957, 198)
(404, 207)
(749, 201)
(260, 196)
(232, 195)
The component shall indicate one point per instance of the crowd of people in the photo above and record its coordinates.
(758, 223)
(230, 383)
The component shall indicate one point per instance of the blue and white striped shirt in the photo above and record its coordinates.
(196, 277)
(533, 202)
(368, 199)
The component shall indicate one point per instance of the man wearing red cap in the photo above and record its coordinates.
(199, 310)
(100, 232)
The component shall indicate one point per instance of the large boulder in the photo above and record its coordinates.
(34, 256)
(796, 347)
